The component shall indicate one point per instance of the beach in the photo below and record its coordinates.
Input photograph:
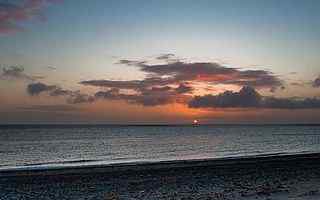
(263, 177)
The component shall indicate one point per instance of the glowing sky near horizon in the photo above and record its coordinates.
(272, 46)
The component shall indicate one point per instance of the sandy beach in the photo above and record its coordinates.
(275, 177)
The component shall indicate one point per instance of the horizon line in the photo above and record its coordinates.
(160, 124)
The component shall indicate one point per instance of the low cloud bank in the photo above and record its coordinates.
(316, 82)
(73, 97)
(248, 97)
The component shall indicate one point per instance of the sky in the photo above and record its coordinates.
(152, 61)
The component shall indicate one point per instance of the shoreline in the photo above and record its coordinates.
(229, 162)
(275, 177)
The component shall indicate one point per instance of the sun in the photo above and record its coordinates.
(195, 122)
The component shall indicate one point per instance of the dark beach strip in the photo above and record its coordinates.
(268, 160)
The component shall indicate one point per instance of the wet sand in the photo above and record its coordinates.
(268, 177)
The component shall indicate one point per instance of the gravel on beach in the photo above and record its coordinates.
(275, 181)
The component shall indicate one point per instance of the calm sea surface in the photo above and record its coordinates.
(58, 146)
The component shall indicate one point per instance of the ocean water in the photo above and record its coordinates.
(60, 146)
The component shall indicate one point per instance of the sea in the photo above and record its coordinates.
(56, 146)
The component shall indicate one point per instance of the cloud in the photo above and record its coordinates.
(316, 82)
(37, 88)
(117, 84)
(77, 97)
(208, 72)
(17, 73)
(131, 62)
(165, 56)
(180, 72)
(175, 81)
(57, 91)
(248, 97)
(72, 97)
(52, 68)
(184, 88)
(147, 97)
(131, 84)
(257, 79)
(13, 14)
(290, 103)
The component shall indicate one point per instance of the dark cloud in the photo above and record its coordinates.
(118, 84)
(12, 13)
(17, 73)
(72, 97)
(160, 96)
(77, 97)
(146, 100)
(37, 88)
(132, 84)
(257, 79)
(247, 97)
(211, 73)
(113, 93)
(131, 62)
(52, 68)
(147, 96)
(290, 103)
(167, 56)
(60, 92)
(316, 82)
(181, 71)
